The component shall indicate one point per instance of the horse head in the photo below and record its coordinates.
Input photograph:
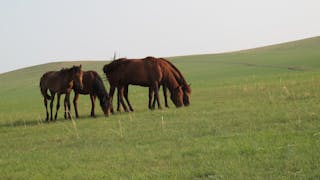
(77, 75)
(186, 94)
(103, 96)
(105, 105)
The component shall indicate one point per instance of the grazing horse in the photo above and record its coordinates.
(165, 64)
(144, 72)
(92, 85)
(181, 80)
(60, 82)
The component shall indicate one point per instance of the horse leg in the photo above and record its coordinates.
(46, 105)
(126, 91)
(51, 104)
(154, 99)
(118, 100)
(156, 96)
(111, 92)
(67, 106)
(120, 90)
(164, 88)
(93, 100)
(150, 98)
(58, 106)
(75, 104)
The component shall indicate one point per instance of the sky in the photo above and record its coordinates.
(35, 32)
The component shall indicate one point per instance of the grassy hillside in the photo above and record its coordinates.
(253, 115)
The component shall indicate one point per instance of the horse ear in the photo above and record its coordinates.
(189, 84)
(80, 66)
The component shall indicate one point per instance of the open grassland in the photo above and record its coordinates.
(254, 115)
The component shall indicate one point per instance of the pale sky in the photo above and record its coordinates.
(40, 31)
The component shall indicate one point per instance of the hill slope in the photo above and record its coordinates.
(253, 114)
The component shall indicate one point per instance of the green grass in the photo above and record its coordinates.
(253, 115)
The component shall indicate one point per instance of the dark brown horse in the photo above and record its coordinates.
(144, 72)
(92, 85)
(60, 82)
(165, 64)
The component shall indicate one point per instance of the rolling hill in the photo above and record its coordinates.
(253, 115)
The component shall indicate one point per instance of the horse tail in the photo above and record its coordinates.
(45, 94)
(44, 91)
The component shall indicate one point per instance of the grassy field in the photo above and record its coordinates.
(254, 114)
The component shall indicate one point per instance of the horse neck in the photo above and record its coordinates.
(100, 90)
(66, 76)
(177, 74)
(172, 83)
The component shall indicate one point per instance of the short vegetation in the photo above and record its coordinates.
(254, 115)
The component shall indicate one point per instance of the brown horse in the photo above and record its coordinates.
(60, 82)
(165, 64)
(181, 80)
(92, 85)
(144, 72)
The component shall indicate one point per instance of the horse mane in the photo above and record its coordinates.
(99, 89)
(65, 70)
(149, 57)
(181, 78)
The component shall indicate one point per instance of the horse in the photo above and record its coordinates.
(92, 85)
(60, 82)
(144, 72)
(165, 64)
(181, 80)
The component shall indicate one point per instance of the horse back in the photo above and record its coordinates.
(135, 71)
(55, 81)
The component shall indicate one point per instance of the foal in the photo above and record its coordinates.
(60, 82)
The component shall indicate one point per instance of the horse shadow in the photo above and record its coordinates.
(33, 122)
